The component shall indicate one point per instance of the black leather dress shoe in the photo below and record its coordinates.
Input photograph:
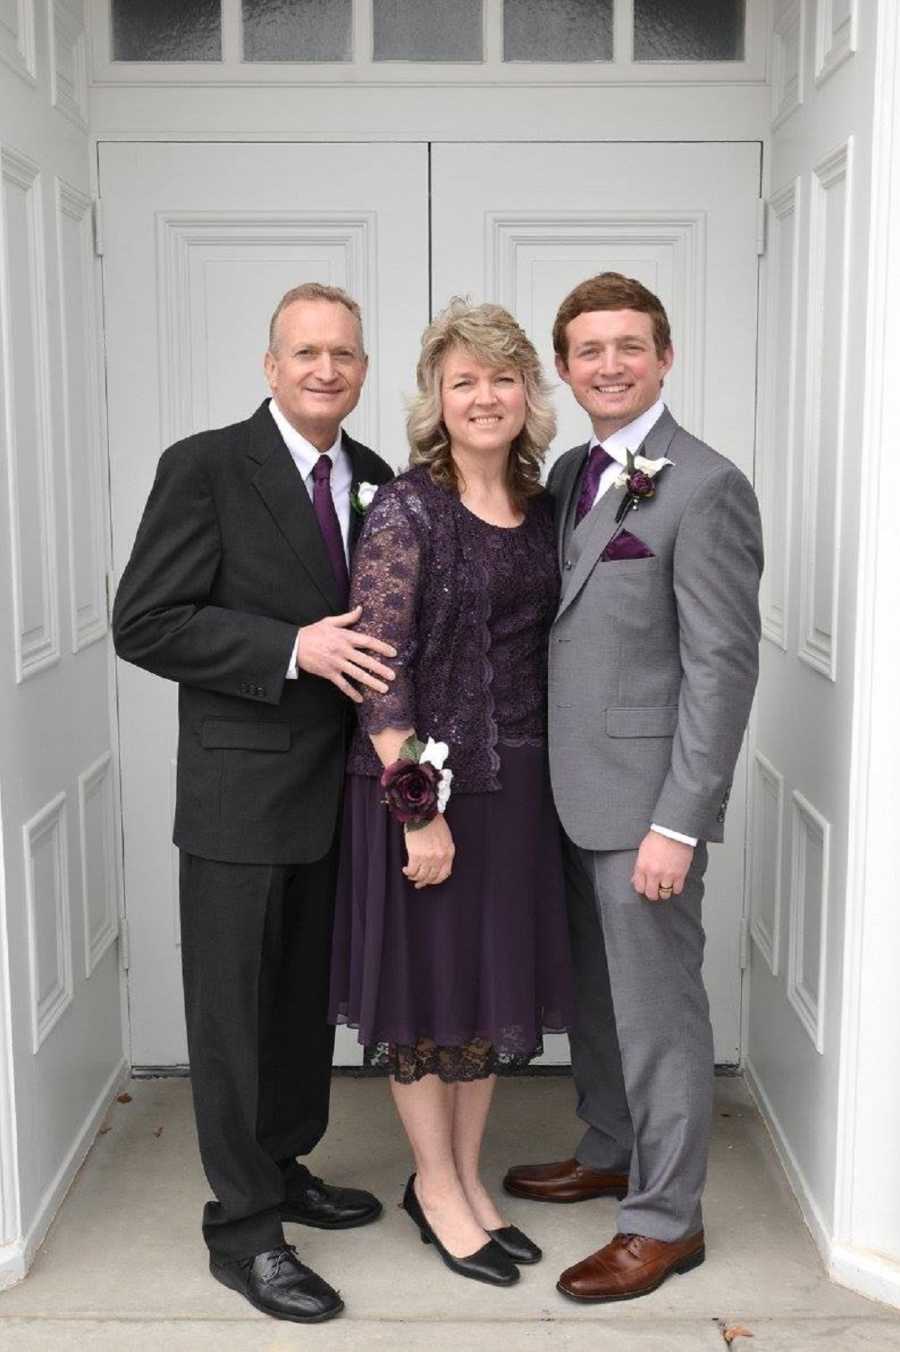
(487, 1264)
(277, 1283)
(520, 1248)
(312, 1202)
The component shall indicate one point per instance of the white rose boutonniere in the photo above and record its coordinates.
(361, 500)
(637, 480)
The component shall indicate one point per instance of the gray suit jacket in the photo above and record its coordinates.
(653, 661)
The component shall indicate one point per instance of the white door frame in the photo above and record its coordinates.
(867, 1184)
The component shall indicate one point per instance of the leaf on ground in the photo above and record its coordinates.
(123, 1098)
(157, 1131)
(104, 1129)
(732, 1331)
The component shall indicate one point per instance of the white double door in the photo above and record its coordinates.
(200, 242)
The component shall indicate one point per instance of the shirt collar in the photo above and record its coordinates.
(303, 453)
(632, 435)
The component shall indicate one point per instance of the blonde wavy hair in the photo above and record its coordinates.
(491, 335)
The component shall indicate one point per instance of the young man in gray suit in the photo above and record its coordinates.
(653, 664)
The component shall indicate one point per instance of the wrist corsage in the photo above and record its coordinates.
(416, 785)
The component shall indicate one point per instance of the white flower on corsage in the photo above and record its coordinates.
(644, 466)
(361, 500)
(637, 480)
(435, 754)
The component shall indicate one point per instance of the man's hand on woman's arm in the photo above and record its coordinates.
(332, 649)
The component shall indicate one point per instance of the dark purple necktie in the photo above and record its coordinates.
(323, 505)
(597, 462)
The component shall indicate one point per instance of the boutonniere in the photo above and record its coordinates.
(637, 480)
(361, 499)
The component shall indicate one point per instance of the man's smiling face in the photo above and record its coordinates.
(317, 368)
(612, 366)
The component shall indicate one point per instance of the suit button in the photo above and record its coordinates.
(569, 565)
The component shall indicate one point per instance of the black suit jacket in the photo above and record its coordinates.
(228, 563)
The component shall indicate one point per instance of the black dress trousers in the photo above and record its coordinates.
(255, 946)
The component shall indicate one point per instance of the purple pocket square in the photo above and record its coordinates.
(626, 546)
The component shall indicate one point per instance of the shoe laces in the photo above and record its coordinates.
(284, 1255)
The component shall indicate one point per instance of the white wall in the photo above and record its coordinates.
(61, 1035)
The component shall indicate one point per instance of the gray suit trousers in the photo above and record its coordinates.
(642, 1050)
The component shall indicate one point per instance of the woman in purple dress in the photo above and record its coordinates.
(451, 949)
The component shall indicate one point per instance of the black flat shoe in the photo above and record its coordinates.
(277, 1283)
(310, 1201)
(520, 1248)
(487, 1264)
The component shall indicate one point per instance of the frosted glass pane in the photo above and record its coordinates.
(691, 30)
(420, 30)
(557, 30)
(166, 30)
(297, 30)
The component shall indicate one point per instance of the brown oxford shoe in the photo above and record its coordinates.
(565, 1181)
(630, 1266)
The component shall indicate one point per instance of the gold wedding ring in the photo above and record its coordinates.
(665, 888)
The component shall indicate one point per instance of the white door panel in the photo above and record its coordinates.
(201, 242)
(521, 225)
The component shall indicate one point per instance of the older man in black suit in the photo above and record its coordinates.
(237, 588)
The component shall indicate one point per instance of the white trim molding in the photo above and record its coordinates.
(866, 1252)
(810, 833)
(101, 923)
(17, 46)
(826, 330)
(765, 849)
(78, 353)
(36, 647)
(47, 830)
(778, 409)
(835, 41)
(16, 1258)
(9, 1169)
(788, 60)
(68, 60)
(183, 236)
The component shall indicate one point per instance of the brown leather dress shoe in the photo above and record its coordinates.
(565, 1181)
(630, 1266)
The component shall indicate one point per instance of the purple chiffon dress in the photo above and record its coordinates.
(458, 980)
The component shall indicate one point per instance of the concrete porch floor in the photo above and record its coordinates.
(124, 1268)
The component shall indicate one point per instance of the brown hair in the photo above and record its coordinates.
(492, 336)
(611, 291)
(314, 291)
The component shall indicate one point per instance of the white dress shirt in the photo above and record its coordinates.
(629, 438)
(305, 457)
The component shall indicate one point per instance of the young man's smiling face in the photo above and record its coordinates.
(612, 366)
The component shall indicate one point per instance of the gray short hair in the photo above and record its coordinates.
(315, 291)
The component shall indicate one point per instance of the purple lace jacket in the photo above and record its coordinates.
(426, 572)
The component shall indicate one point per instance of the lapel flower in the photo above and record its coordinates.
(637, 480)
(361, 499)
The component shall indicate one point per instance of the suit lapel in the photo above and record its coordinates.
(569, 479)
(600, 525)
(356, 518)
(279, 484)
